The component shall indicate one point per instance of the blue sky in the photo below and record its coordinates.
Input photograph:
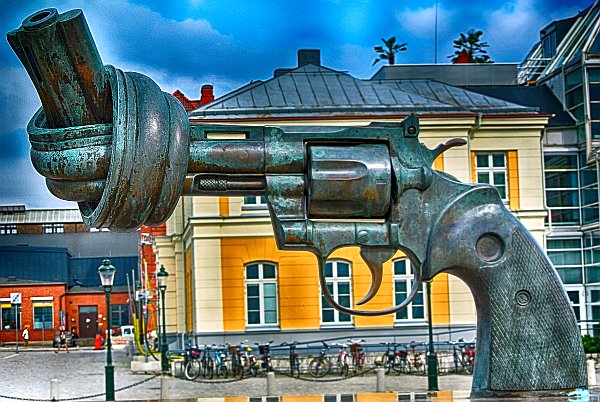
(227, 43)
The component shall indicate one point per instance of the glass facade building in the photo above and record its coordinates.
(565, 61)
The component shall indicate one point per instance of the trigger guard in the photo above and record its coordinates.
(368, 313)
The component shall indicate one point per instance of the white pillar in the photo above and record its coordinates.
(591, 372)
(380, 387)
(164, 387)
(54, 394)
(270, 383)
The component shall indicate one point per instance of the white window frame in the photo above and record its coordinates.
(335, 280)
(490, 170)
(409, 280)
(255, 201)
(581, 306)
(592, 327)
(261, 281)
(49, 228)
(37, 304)
(8, 229)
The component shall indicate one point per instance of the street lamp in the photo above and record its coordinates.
(161, 278)
(432, 368)
(107, 277)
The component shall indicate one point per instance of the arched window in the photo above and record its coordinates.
(261, 294)
(403, 283)
(339, 283)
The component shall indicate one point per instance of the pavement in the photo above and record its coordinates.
(28, 374)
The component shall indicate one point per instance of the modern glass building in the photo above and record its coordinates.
(566, 60)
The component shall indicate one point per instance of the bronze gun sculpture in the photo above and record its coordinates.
(125, 151)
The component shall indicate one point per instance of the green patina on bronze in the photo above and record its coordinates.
(124, 150)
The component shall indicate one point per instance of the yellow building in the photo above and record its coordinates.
(229, 282)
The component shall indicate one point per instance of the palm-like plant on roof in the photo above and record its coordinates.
(470, 48)
(388, 50)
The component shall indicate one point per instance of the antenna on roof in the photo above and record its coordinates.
(435, 46)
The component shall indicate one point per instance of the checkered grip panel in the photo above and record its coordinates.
(535, 342)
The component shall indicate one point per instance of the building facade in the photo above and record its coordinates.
(52, 260)
(229, 282)
(565, 61)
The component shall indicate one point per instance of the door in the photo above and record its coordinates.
(88, 321)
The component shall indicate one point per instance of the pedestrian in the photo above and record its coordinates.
(74, 337)
(26, 335)
(62, 337)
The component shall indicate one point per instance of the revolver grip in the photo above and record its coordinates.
(527, 333)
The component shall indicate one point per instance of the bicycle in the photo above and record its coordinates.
(207, 362)
(417, 360)
(467, 350)
(294, 359)
(192, 366)
(246, 361)
(343, 364)
(220, 362)
(264, 351)
(358, 356)
(320, 365)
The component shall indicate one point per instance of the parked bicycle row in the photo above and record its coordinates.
(350, 358)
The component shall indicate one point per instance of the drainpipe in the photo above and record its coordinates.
(471, 134)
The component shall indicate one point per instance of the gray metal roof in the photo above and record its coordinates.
(41, 216)
(317, 91)
(467, 74)
(459, 97)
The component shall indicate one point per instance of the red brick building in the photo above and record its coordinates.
(39, 309)
(52, 259)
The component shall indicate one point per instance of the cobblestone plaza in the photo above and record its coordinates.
(28, 375)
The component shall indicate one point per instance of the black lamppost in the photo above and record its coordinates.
(161, 278)
(107, 277)
(432, 368)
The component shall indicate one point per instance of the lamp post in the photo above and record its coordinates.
(432, 368)
(107, 277)
(161, 278)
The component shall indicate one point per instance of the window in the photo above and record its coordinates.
(588, 177)
(8, 229)
(566, 256)
(53, 228)
(338, 274)
(261, 294)
(11, 317)
(576, 295)
(42, 315)
(255, 202)
(119, 315)
(591, 250)
(593, 311)
(562, 191)
(594, 97)
(403, 284)
(490, 168)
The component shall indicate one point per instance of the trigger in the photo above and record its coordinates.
(374, 257)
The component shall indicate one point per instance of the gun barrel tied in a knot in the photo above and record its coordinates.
(108, 139)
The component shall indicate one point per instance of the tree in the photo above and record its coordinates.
(389, 50)
(470, 49)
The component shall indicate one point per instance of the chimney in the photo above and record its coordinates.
(206, 94)
(309, 56)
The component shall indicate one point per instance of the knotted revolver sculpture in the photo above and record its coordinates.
(125, 151)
